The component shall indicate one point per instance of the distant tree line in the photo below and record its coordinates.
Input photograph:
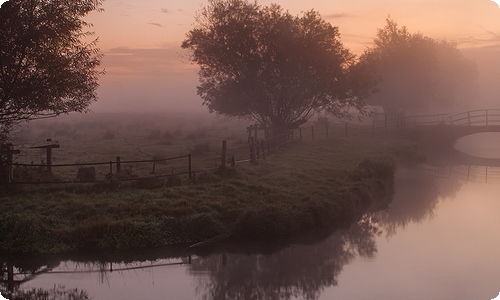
(257, 62)
(261, 62)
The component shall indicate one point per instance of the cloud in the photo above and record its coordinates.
(165, 11)
(155, 24)
(337, 16)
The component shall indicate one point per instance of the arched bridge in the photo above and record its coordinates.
(458, 125)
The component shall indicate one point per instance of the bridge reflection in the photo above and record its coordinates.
(470, 173)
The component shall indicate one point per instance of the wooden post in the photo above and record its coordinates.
(8, 150)
(468, 117)
(189, 166)
(263, 149)
(255, 128)
(233, 161)
(252, 151)
(326, 128)
(48, 148)
(486, 117)
(118, 164)
(269, 146)
(223, 155)
(249, 129)
(312, 131)
(257, 148)
(300, 133)
(154, 166)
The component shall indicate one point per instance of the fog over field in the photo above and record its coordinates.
(146, 69)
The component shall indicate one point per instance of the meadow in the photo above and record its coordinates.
(305, 185)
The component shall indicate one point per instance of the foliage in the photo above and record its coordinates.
(46, 66)
(56, 293)
(274, 199)
(261, 62)
(416, 71)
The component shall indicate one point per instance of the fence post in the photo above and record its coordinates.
(118, 164)
(257, 148)
(154, 166)
(189, 166)
(8, 151)
(326, 128)
(252, 151)
(300, 133)
(312, 131)
(249, 129)
(263, 149)
(468, 117)
(486, 117)
(110, 170)
(233, 161)
(223, 155)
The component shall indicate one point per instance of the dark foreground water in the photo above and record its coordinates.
(439, 239)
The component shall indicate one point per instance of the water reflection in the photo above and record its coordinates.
(298, 271)
(484, 145)
(417, 194)
(304, 269)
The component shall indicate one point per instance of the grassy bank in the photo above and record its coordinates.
(306, 185)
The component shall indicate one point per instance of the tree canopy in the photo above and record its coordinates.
(262, 62)
(46, 66)
(416, 72)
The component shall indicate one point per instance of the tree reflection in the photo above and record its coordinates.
(56, 293)
(297, 271)
(416, 197)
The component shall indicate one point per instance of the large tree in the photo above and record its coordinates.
(262, 62)
(48, 63)
(417, 73)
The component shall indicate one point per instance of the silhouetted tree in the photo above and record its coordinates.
(46, 67)
(417, 72)
(261, 62)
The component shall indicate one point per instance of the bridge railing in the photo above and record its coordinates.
(483, 117)
(424, 120)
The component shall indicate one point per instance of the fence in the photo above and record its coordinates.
(14, 173)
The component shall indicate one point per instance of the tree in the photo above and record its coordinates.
(416, 72)
(46, 67)
(261, 62)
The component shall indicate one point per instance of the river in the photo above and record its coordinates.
(437, 240)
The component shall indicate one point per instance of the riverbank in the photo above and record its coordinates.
(306, 186)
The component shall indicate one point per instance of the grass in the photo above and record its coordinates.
(307, 185)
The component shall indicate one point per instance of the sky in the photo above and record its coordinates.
(146, 69)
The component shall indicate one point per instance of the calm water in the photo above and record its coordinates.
(438, 240)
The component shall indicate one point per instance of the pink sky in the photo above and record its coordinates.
(146, 69)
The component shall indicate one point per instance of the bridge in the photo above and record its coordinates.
(438, 133)
(458, 125)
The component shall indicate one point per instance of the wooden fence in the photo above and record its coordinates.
(116, 169)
